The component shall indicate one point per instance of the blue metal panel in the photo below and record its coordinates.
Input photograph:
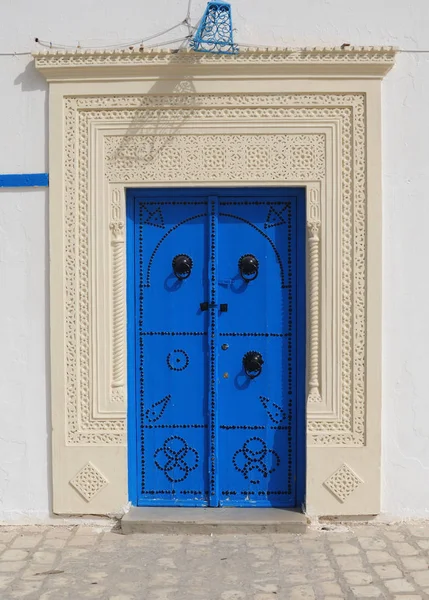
(171, 338)
(258, 416)
(202, 430)
(24, 180)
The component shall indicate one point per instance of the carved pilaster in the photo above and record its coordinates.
(314, 226)
(117, 240)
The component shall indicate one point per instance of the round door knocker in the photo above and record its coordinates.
(182, 266)
(252, 363)
(249, 267)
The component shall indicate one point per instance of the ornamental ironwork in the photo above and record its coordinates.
(214, 33)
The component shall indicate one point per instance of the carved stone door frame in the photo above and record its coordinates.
(264, 117)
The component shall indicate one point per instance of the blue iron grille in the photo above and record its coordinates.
(214, 33)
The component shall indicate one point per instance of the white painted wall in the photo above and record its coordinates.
(24, 373)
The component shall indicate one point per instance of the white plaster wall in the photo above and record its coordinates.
(24, 374)
(23, 355)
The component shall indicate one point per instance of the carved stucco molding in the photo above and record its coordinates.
(314, 226)
(117, 229)
(351, 61)
(160, 157)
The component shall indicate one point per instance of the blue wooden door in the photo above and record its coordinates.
(216, 326)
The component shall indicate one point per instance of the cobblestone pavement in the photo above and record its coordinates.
(372, 561)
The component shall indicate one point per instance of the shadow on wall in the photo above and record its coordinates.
(158, 133)
(31, 80)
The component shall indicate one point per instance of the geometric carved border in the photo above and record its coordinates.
(158, 151)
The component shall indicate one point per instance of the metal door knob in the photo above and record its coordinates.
(248, 266)
(182, 266)
(252, 363)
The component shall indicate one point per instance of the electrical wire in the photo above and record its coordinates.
(413, 51)
(47, 44)
(187, 37)
(16, 53)
(186, 21)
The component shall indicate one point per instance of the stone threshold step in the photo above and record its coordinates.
(213, 520)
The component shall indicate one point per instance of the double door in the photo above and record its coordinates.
(216, 310)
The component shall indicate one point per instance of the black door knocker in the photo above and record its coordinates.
(252, 363)
(182, 266)
(249, 267)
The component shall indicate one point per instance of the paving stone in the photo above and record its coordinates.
(291, 564)
(268, 588)
(312, 546)
(366, 591)
(82, 540)
(372, 543)
(12, 566)
(358, 577)
(404, 549)
(24, 588)
(26, 529)
(368, 531)
(331, 588)
(53, 543)
(344, 549)
(323, 574)
(302, 592)
(339, 536)
(379, 556)
(14, 555)
(7, 536)
(414, 563)
(387, 571)
(395, 536)
(59, 532)
(26, 541)
(84, 530)
(350, 563)
(420, 577)
(296, 578)
(5, 581)
(399, 585)
(421, 530)
(44, 557)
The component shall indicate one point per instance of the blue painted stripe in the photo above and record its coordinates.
(25, 180)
